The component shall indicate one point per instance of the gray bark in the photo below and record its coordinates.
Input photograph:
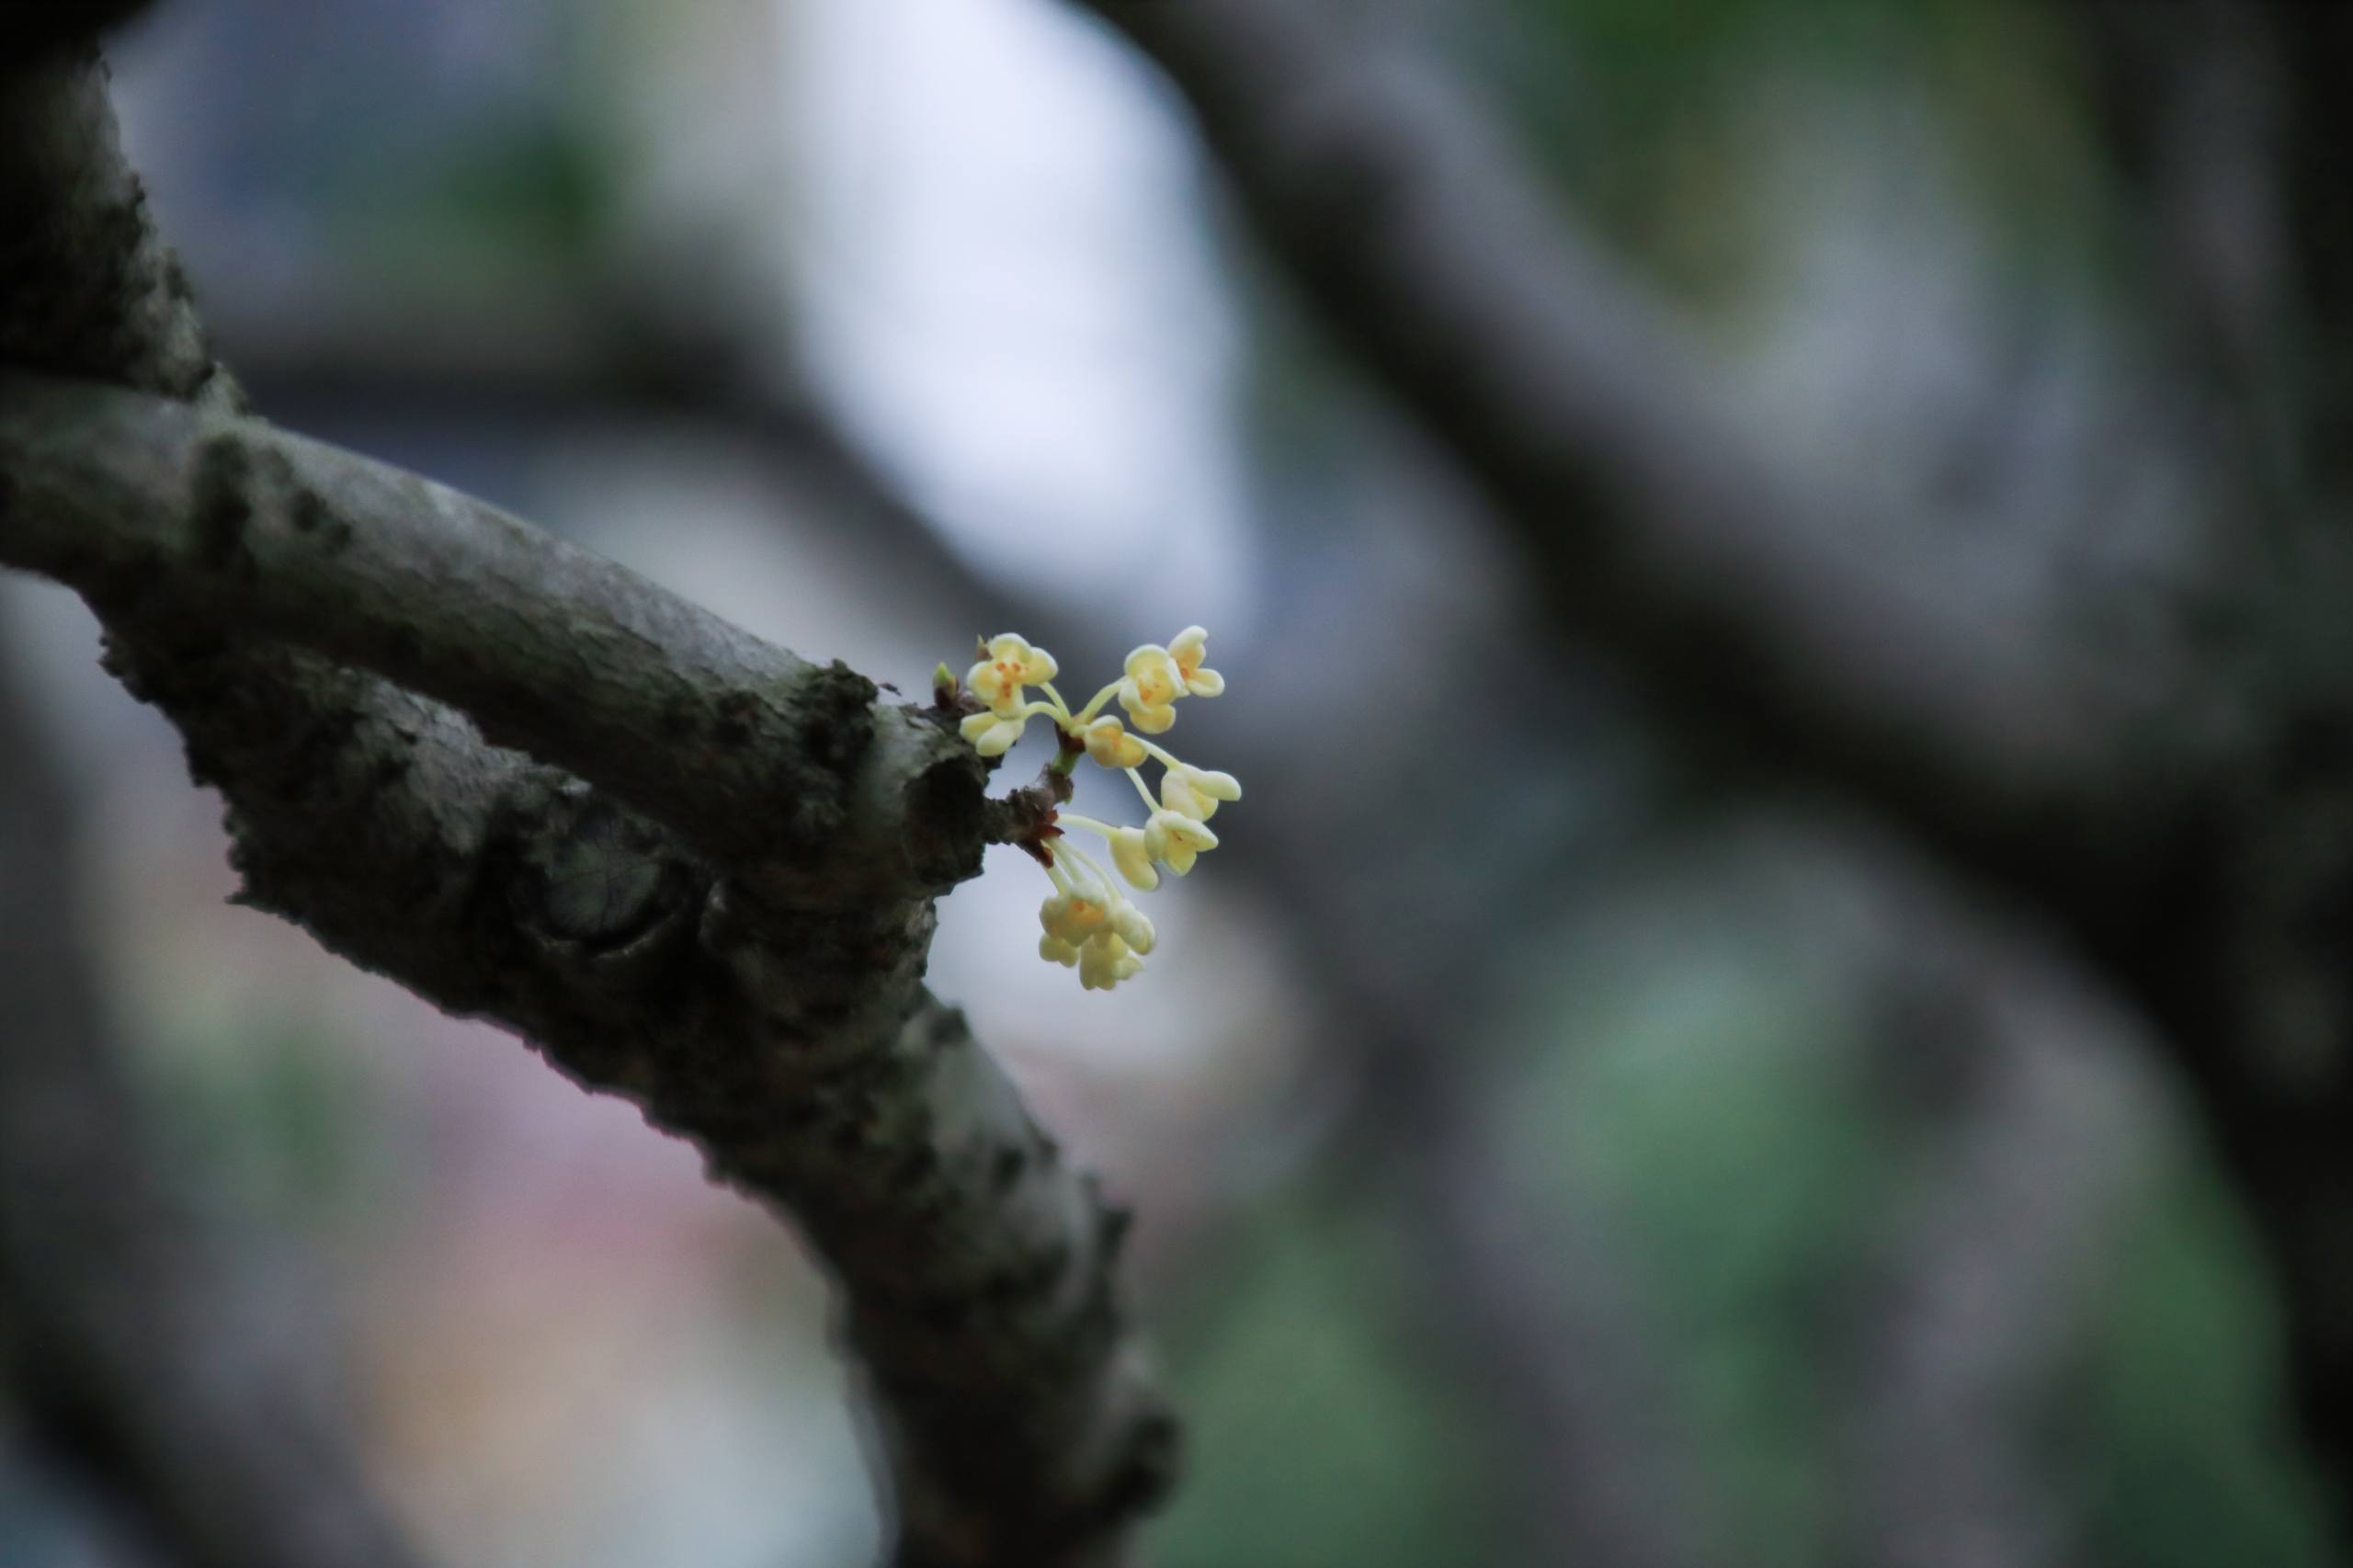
(702, 878)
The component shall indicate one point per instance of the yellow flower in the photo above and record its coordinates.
(993, 735)
(1132, 927)
(1132, 855)
(1011, 664)
(1150, 691)
(1187, 651)
(1073, 917)
(1195, 792)
(1105, 961)
(1109, 743)
(1090, 924)
(1177, 840)
(1100, 934)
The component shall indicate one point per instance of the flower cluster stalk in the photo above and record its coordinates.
(1091, 924)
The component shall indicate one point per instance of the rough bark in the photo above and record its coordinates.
(157, 512)
(706, 887)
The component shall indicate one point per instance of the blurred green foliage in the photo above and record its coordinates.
(1658, 120)
(1711, 1111)
(2190, 1456)
(1317, 1431)
(543, 189)
(283, 1124)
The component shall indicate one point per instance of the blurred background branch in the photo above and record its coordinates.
(174, 1361)
(2026, 762)
(1561, 1116)
(1730, 588)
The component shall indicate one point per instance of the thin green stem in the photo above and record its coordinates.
(1158, 754)
(1110, 888)
(1085, 715)
(1073, 820)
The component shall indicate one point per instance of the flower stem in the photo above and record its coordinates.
(1085, 715)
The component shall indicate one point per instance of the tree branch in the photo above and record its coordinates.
(1662, 530)
(2028, 1130)
(2186, 822)
(154, 511)
(1535, 1311)
(730, 933)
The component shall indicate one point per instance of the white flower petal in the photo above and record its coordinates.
(1215, 785)
(1132, 855)
(1105, 962)
(1178, 794)
(1177, 829)
(1153, 676)
(992, 734)
(1134, 928)
(1109, 743)
(1152, 718)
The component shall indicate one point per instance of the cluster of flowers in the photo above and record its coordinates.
(1091, 925)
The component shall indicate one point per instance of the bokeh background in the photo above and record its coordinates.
(1547, 1149)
